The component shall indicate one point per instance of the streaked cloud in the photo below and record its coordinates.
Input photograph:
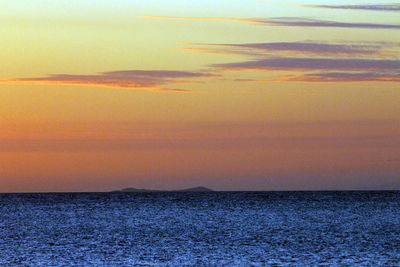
(259, 143)
(330, 77)
(297, 63)
(308, 22)
(316, 69)
(218, 51)
(289, 22)
(346, 77)
(136, 136)
(381, 7)
(153, 80)
(248, 20)
(306, 47)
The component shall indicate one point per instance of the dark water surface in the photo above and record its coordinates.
(218, 228)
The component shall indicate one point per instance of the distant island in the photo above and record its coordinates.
(138, 190)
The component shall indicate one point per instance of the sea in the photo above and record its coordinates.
(201, 229)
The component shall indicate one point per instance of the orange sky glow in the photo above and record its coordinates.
(230, 95)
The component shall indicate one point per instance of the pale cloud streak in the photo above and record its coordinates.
(346, 77)
(297, 63)
(136, 136)
(288, 22)
(382, 7)
(297, 48)
(258, 143)
(248, 20)
(330, 77)
(319, 69)
(153, 80)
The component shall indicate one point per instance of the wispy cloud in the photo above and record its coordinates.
(219, 51)
(349, 77)
(248, 20)
(307, 47)
(295, 63)
(153, 80)
(135, 136)
(309, 69)
(289, 22)
(338, 77)
(259, 143)
(308, 22)
(382, 7)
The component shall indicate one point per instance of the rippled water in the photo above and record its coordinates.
(241, 228)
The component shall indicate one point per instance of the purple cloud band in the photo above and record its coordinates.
(383, 7)
(294, 63)
(289, 22)
(258, 142)
(346, 77)
(316, 48)
(129, 79)
(307, 22)
(295, 47)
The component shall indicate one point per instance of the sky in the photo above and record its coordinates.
(100, 95)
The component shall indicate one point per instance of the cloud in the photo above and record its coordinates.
(294, 63)
(219, 51)
(335, 77)
(319, 69)
(202, 143)
(317, 48)
(347, 77)
(290, 22)
(383, 7)
(134, 136)
(127, 79)
(248, 20)
(307, 22)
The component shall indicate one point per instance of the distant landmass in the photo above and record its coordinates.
(192, 189)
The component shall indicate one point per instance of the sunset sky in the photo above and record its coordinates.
(100, 95)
